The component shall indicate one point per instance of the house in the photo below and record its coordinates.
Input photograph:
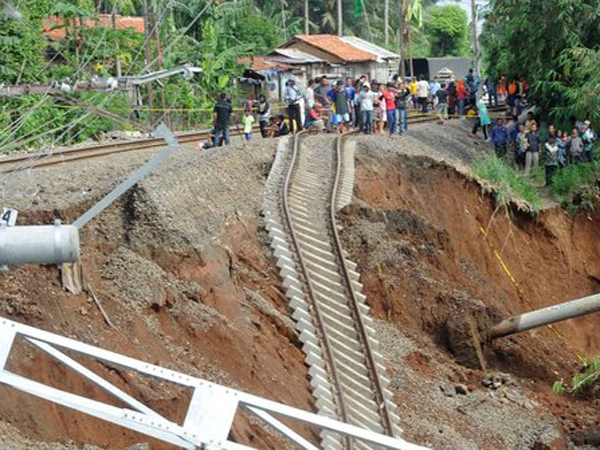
(343, 56)
(434, 67)
(55, 30)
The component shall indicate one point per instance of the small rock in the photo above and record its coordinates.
(448, 391)
(461, 389)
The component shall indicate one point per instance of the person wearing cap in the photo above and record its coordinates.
(293, 96)
(366, 99)
(588, 137)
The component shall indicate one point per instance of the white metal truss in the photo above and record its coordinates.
(210, 413)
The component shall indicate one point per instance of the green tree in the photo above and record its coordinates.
(554, 45)
(257, 32)
(447, 27)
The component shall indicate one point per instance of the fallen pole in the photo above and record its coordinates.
(546, 316)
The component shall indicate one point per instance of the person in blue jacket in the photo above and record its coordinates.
(499, 137)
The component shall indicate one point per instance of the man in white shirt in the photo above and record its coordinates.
(293, 97)
(423, 93)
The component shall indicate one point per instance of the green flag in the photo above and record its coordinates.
(358, 8)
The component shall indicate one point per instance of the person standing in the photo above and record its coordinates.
(499, 136)
(310, 93)
(264, 114)
(341, 100)
(222, 119)
(484, 119)
(588, 137)
(521, 146)
(442, 103)
(413, 86)
(389, 96)
(402, 99)
(247, 122)
(293, 96)
(492, 92)
(434, 87)
(551, 160)
(576, 147)
(423, 93)
(381, 108)
(351, 90)
(532, 155)
(461, 96)
(366, 99)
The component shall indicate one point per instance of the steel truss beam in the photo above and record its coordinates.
(210, 413)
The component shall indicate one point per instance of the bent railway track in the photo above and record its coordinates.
(310, 179)
(39, 160)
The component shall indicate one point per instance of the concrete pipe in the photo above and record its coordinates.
(46, 244)
(546, 316)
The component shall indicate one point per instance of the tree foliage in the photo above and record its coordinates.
(448, 28)
(555, 45)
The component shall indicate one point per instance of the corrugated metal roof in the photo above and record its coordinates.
(366, 46)
(336, 47)
(296, 56)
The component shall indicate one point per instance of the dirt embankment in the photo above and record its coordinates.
(432, 248)
(183, 269)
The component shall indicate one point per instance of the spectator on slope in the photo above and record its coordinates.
(530, 122)
(278, 127)
(551, 160)
(576, 147)
(381, 112)
(292, 97)
(434, 87)
(423, 93)
(499, 136)
(532, 155)
(442, 103)
(451, 90)
(492, 92)
(588, 137)
(341, 100)
(367, 99)
(222, 120)
(521, 146)
(248, 121)
(314, 118)
(472, 85)
(484, 120)
(413, 87)
(351, 90)
(389, 96)
(402, 99)
(310, 93)
(562, 141)
(461, 96)
(264, 113)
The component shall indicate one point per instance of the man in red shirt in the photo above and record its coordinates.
(390, 102)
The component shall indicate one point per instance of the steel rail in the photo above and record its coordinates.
(387, 421)
(343, 410)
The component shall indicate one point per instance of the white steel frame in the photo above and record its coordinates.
(210, 413)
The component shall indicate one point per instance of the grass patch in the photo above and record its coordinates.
(508, 184)
(576, 186)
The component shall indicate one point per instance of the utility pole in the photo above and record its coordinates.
(115, 12)
(386, 22)
(475, 40)
(148, 53)
(306, 18)
(402, 69)
(340, 17)
(409, 36)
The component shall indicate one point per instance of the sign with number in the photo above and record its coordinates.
(9, 217)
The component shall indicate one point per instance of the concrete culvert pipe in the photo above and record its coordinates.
(46, 244)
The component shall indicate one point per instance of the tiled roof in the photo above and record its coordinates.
(336, 47)
(257, 63)
(54, 29)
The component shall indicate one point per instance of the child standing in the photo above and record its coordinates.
(500, 138)
(248, 121)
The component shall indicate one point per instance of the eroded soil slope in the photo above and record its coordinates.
(433, 249)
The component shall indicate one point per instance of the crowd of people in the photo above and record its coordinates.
(558, 147)
(382, 108)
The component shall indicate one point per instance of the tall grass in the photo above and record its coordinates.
(576, 186)
(507, 183)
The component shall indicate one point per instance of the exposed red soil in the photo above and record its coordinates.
(434, 216)
(243, 346)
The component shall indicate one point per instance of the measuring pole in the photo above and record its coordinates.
(386, 22)
(306, 18)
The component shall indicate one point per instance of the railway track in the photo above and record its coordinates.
(311, 178)
(39, 160)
